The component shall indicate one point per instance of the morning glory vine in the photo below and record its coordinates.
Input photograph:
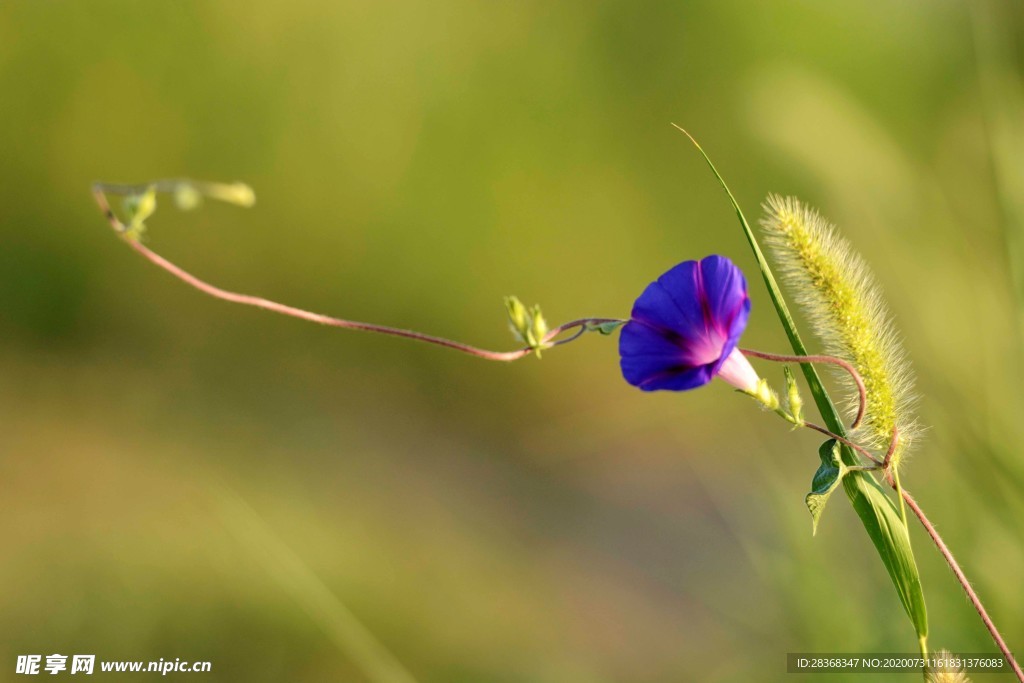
(684, 331)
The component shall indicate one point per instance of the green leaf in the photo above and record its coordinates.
(605, 328)
(828, 477)
(876, 511)
(882, 520)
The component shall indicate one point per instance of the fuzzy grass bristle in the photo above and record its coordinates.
(946, 674)
(845, 307)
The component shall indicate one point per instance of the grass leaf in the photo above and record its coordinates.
(876, 511)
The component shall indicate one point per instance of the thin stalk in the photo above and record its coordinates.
(895, 473)
(899, 494)
(960, 577)
(234, 297)
(843, 440)
(781, 358)
(893, 443)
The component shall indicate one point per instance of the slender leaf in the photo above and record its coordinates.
(882, 520)
(875, 509)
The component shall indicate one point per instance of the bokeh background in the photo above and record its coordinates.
(181, 477)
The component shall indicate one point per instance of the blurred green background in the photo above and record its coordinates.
(181, 477)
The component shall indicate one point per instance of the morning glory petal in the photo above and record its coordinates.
(672, 302)
(725, 289)
(685, 325)
(653, 363)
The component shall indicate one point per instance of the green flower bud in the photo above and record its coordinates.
(138, 208)
(233, 193)
(793, 397)
(528, 325)
(518, 318)
(187, 197)
(764, 394)
(538, 329)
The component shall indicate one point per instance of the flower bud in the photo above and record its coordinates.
(233, 193)
(187, 197)
(518, 318)
(793, 397)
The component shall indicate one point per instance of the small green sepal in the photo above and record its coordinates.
(764, 395)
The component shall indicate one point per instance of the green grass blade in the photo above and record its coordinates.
(294, 576)
(876, 511)
(882, 520)
(821, 398)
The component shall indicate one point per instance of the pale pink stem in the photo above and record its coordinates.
(857, 447)
(283, 309)
(234, 297)
(962, 580)
(780, 358)
(892, 448)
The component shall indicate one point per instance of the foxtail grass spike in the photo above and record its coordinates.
(844, 305)
(946, 672)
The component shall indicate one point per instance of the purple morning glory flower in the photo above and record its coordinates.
(684, 329)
